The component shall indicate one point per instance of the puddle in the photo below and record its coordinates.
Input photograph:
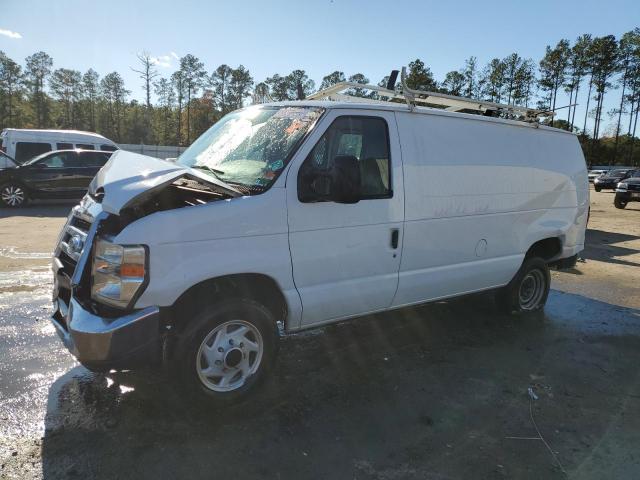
(12, 252)
(25, 280)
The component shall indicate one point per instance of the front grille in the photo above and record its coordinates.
(633, 186)
(73, 241)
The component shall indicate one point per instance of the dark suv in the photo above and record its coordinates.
(58, 174)
(628, 190)
(610, 179)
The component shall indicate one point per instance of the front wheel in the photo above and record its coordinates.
(619, 203)
(13, 195)
(528, 290)
(230, 350)
(597, 189)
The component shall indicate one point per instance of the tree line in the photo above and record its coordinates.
(191, 99)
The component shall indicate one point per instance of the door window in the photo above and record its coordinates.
(61, 160)
(94, 159)
(108, 148)
(85, 146)
(28, 150)
(366, 139)
(64, 146)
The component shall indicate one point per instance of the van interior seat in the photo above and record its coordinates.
(370, 177)
(374, 148)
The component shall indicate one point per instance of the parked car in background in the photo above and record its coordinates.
(593, 174)
(6, 161)
(24, 144)
(59, 174)
(628, 190)
(610, 179)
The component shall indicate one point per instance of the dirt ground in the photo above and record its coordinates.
(436, 392)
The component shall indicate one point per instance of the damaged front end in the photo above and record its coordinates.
(105, 334)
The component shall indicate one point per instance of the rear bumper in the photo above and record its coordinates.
(132, 340)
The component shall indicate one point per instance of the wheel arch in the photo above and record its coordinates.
(253, 286)
(546, 248)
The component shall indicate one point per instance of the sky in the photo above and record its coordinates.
(319, 36)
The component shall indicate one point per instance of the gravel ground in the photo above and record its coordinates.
(435, 392)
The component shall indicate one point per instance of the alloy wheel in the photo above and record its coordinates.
(12, 195)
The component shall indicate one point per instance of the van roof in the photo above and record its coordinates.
(37, 131)
(362, 103)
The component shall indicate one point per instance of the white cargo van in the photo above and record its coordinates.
(23, 144)
(288, 216)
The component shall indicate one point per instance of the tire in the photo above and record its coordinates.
(216, 361)
(527, 292)
(618, 203)
(13, 195)
(597, 189)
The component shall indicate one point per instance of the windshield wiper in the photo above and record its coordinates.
(216, 173)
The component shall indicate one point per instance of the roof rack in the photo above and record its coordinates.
(413, 97)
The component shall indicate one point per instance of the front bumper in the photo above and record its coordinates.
(99, 343)
(606, 184)
(628, 195)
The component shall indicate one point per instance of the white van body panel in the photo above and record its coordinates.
(478, 195)
(240, 235)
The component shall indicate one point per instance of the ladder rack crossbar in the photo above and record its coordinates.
(413, 97)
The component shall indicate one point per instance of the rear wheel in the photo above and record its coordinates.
(528, 290)
(229, 351)
(619, 203)
(13, 195)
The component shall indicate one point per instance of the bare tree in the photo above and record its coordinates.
(147, 73)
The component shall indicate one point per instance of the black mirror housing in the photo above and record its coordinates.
(340, 184)
(345, 176)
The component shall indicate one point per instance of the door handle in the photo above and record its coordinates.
(395, 234)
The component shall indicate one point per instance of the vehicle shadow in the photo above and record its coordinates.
(427, 392)
(603, 246)
(58, 209)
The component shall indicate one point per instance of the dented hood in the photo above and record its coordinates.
(129, 177)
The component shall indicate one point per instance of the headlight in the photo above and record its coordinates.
(118, 273)
(622, 186)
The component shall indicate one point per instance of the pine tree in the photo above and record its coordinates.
(332, 79)
(37, 71)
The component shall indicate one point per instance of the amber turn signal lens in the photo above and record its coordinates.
(131, 270)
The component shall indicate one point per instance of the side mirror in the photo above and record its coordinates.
(341, 184)
(345, 185)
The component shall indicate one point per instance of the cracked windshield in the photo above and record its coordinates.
(252, 146)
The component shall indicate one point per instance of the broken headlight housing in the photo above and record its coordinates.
(119, 273)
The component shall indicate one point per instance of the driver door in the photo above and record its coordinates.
(346, 257)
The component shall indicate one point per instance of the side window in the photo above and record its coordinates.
(64, 146)
(27, 150)
(85, 146)
(108, 148)
(61, 160)
(93, 159)
(365, 138)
